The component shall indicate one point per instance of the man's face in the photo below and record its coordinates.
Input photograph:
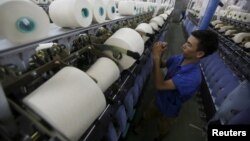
(190, 49)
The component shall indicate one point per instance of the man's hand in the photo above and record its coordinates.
(158, 49)
(160, 83)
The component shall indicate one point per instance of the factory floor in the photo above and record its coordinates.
(186, 127)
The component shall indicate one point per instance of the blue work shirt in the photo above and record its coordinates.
(187, 80)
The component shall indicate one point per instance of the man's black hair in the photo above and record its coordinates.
(208, 41)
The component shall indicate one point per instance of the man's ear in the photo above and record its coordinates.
(200, 54)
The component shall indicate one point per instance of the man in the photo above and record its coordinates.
(182, 80)
(183, 15)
